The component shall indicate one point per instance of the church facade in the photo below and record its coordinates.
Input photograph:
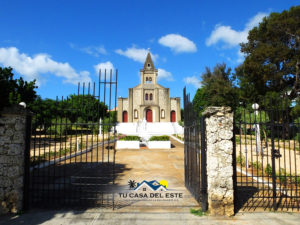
(149, 100)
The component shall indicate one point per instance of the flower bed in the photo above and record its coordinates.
(159, 142)
(128, 142)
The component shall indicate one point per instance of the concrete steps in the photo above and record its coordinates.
(149, 129)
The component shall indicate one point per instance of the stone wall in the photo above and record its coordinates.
(163, 101)
(12, 148)
(136, 104)
(219, 133)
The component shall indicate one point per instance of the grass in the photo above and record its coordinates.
(179, 137)
(197, 212)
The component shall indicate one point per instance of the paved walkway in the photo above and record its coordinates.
(107, 217)
(154, 164)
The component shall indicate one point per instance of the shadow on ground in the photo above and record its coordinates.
(78, 185)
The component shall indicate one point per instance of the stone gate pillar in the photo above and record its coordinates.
(14, 140)
(219, 133)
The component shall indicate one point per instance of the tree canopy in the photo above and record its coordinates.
(14, 91)
(217, 88)
(272, 56)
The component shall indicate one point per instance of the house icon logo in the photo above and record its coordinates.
(152, 185)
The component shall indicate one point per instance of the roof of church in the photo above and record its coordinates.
(151, 86)
(150, 62)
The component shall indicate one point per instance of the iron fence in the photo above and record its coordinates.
(71, 158)
(194, 152)
(267, 155)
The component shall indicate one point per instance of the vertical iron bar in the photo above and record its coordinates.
(234, 177)
(273, 158)
(104, 124)
(26, 177)
(115, 115)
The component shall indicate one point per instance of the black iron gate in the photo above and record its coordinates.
(72, 153)
(194, 152)
(267, 155)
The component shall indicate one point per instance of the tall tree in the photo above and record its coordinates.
(85, 108)
(217, 88)
(14, 91)
(272, 62)
(200, 101)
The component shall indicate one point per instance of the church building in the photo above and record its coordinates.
(149, 100)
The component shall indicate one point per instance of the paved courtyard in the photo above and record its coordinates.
(156, 164)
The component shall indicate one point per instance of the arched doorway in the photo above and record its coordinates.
(125, 117)
(149, 115)
(173, 116)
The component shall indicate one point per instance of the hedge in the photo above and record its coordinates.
(130, 138)
(160, 138)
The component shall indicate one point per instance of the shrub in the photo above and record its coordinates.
(282, 178)
(130, 138)
(268, 169)
(297, 137)
(241, 160)
(61, 126)
(256, 165)
(160, 138)
(296, 179)
(181, 123)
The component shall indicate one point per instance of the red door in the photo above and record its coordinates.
(125, 117)
(149, 115)
(173, 116)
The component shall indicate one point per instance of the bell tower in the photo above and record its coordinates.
(148, 73)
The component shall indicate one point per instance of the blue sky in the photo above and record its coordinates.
(62, 42)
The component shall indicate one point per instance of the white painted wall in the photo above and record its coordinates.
(159, 144)
(128, 144)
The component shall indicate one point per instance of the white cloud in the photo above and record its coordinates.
(164, 75)
(40, 64)
(94, 50)
(91, 50)
(233, 37)
(108, 66)
(137, 54)
(177, 43)
(193, 80)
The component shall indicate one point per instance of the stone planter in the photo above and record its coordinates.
(128, 144)
(159, 144)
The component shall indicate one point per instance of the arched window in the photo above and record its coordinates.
(146, 97)
(147, 79)
(136, 114)
(162, 113)
(151, 97)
